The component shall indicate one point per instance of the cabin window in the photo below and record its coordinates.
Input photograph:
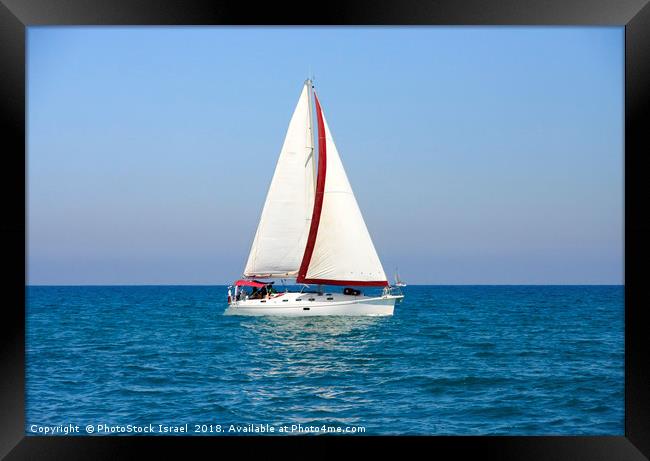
(263, 301)
(330, 299)
(285, 300)
(312, 299)
(305, 308)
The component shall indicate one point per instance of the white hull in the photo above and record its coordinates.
(312, 304)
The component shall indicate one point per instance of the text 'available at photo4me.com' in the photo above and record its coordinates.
(189, 429)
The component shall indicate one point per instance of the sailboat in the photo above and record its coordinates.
(311, 230)
(398, 282)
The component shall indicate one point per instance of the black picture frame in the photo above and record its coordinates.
(16, 15)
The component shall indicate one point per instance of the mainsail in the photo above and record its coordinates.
(339, 250)
(282, 232)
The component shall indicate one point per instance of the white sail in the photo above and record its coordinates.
(279, 242)
(343, 251)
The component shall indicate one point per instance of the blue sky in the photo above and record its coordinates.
(478, 155)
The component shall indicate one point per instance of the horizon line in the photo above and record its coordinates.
(288, 284)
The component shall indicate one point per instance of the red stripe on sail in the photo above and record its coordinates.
(379, 283)
(318, 198)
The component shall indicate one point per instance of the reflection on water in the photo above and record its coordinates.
(309, 358)
(311, 346)
(306, 333)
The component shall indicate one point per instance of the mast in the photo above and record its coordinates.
(310, 89)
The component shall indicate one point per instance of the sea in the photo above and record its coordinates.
(452, 360)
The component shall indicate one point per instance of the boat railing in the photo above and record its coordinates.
(393, 290)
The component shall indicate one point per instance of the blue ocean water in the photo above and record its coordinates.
(517, 360)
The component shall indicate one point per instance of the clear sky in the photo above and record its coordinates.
(478, 155)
